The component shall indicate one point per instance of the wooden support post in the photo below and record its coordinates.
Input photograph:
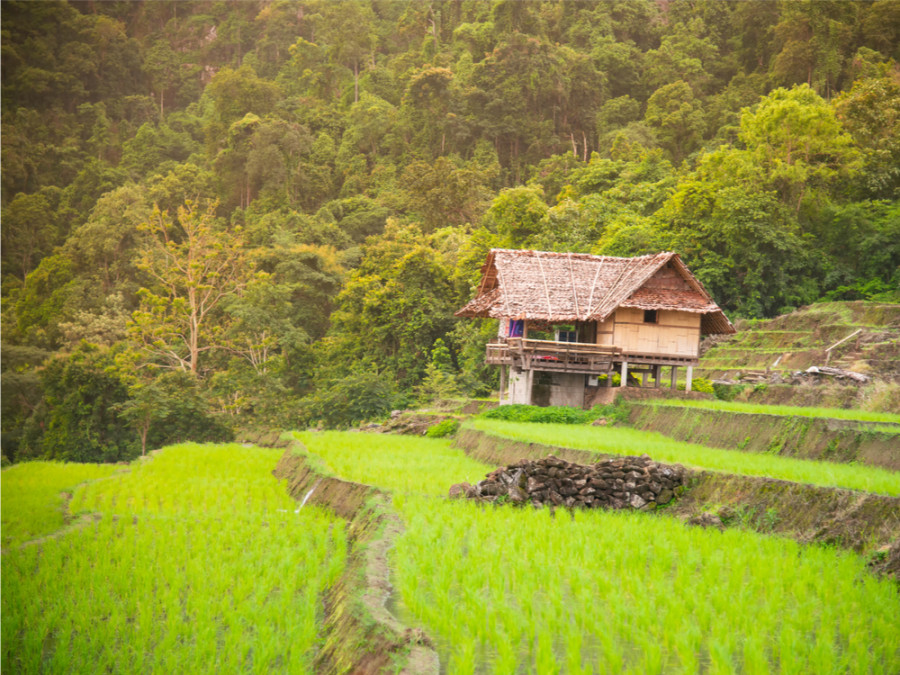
(643, 379)
(674, 382)
(609, 375)
(503, 372)
(690, 372)
(624, 375)
(657, 374)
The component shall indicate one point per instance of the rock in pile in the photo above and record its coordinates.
(622, 483)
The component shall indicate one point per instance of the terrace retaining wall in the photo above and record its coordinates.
(361, 634)
(855, 520)
(806, 437)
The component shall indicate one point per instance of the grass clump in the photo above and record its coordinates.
(556, 414)
(442, 429)
(32, 501)
(698, 384)
(626, 441)
(520, 412)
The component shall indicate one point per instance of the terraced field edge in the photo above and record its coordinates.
(803, 437)
(860, 521)
(361, 635)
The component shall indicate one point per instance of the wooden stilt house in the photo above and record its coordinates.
(568, 321)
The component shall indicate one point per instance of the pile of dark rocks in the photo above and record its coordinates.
(622, 483)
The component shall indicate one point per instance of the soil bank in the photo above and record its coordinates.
(361, 635)
(803, 437)
(856, 520)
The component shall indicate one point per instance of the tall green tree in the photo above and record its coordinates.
(796, 138)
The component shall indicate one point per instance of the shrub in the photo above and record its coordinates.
(518, 412)
(78, 419)
(727, 392)
(700, 384)
(616, 413)
(447, 427)
(353, 399)
(616, 380)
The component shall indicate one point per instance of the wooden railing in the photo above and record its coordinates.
(573, 357)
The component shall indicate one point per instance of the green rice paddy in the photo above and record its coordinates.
(506, 590)
(626, 441)
(398, 463)
(32, 501)
(787, 410)
(198, 562)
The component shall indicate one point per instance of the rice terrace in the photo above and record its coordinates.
(450, 337)
(198, 555)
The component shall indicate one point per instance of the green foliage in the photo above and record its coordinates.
(77, 420)
(517, 215)
(440, 379)
(699, 384)
(442, 429)
(615, 413)
(464, 599)
(171, 408)
(195, 264)
(616, 379)
(352, 399)
(501, 633)
(20, 375)
(402, 464)
(727, 392)
(518, 412)
(400, 299)
(789, 410)
(365, 156)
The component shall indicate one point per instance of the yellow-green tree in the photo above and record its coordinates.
(195, 263)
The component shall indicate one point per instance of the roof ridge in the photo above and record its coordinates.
(535, 252)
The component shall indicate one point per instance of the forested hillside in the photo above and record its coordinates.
(221, 211)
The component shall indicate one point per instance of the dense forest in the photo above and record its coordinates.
(222, 213)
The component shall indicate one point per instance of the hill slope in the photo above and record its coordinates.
(770, 353)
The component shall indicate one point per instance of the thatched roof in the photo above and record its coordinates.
(565, 287)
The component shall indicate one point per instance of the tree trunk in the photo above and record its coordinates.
(144, 429)
(194, 330)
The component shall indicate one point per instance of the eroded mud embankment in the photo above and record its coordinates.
(804, 437)
(856, 520)
(361, 635)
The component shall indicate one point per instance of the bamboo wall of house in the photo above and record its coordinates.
(675, 333)
(605, 331)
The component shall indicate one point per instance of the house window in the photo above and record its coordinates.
(650, 316)
(566, 336)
